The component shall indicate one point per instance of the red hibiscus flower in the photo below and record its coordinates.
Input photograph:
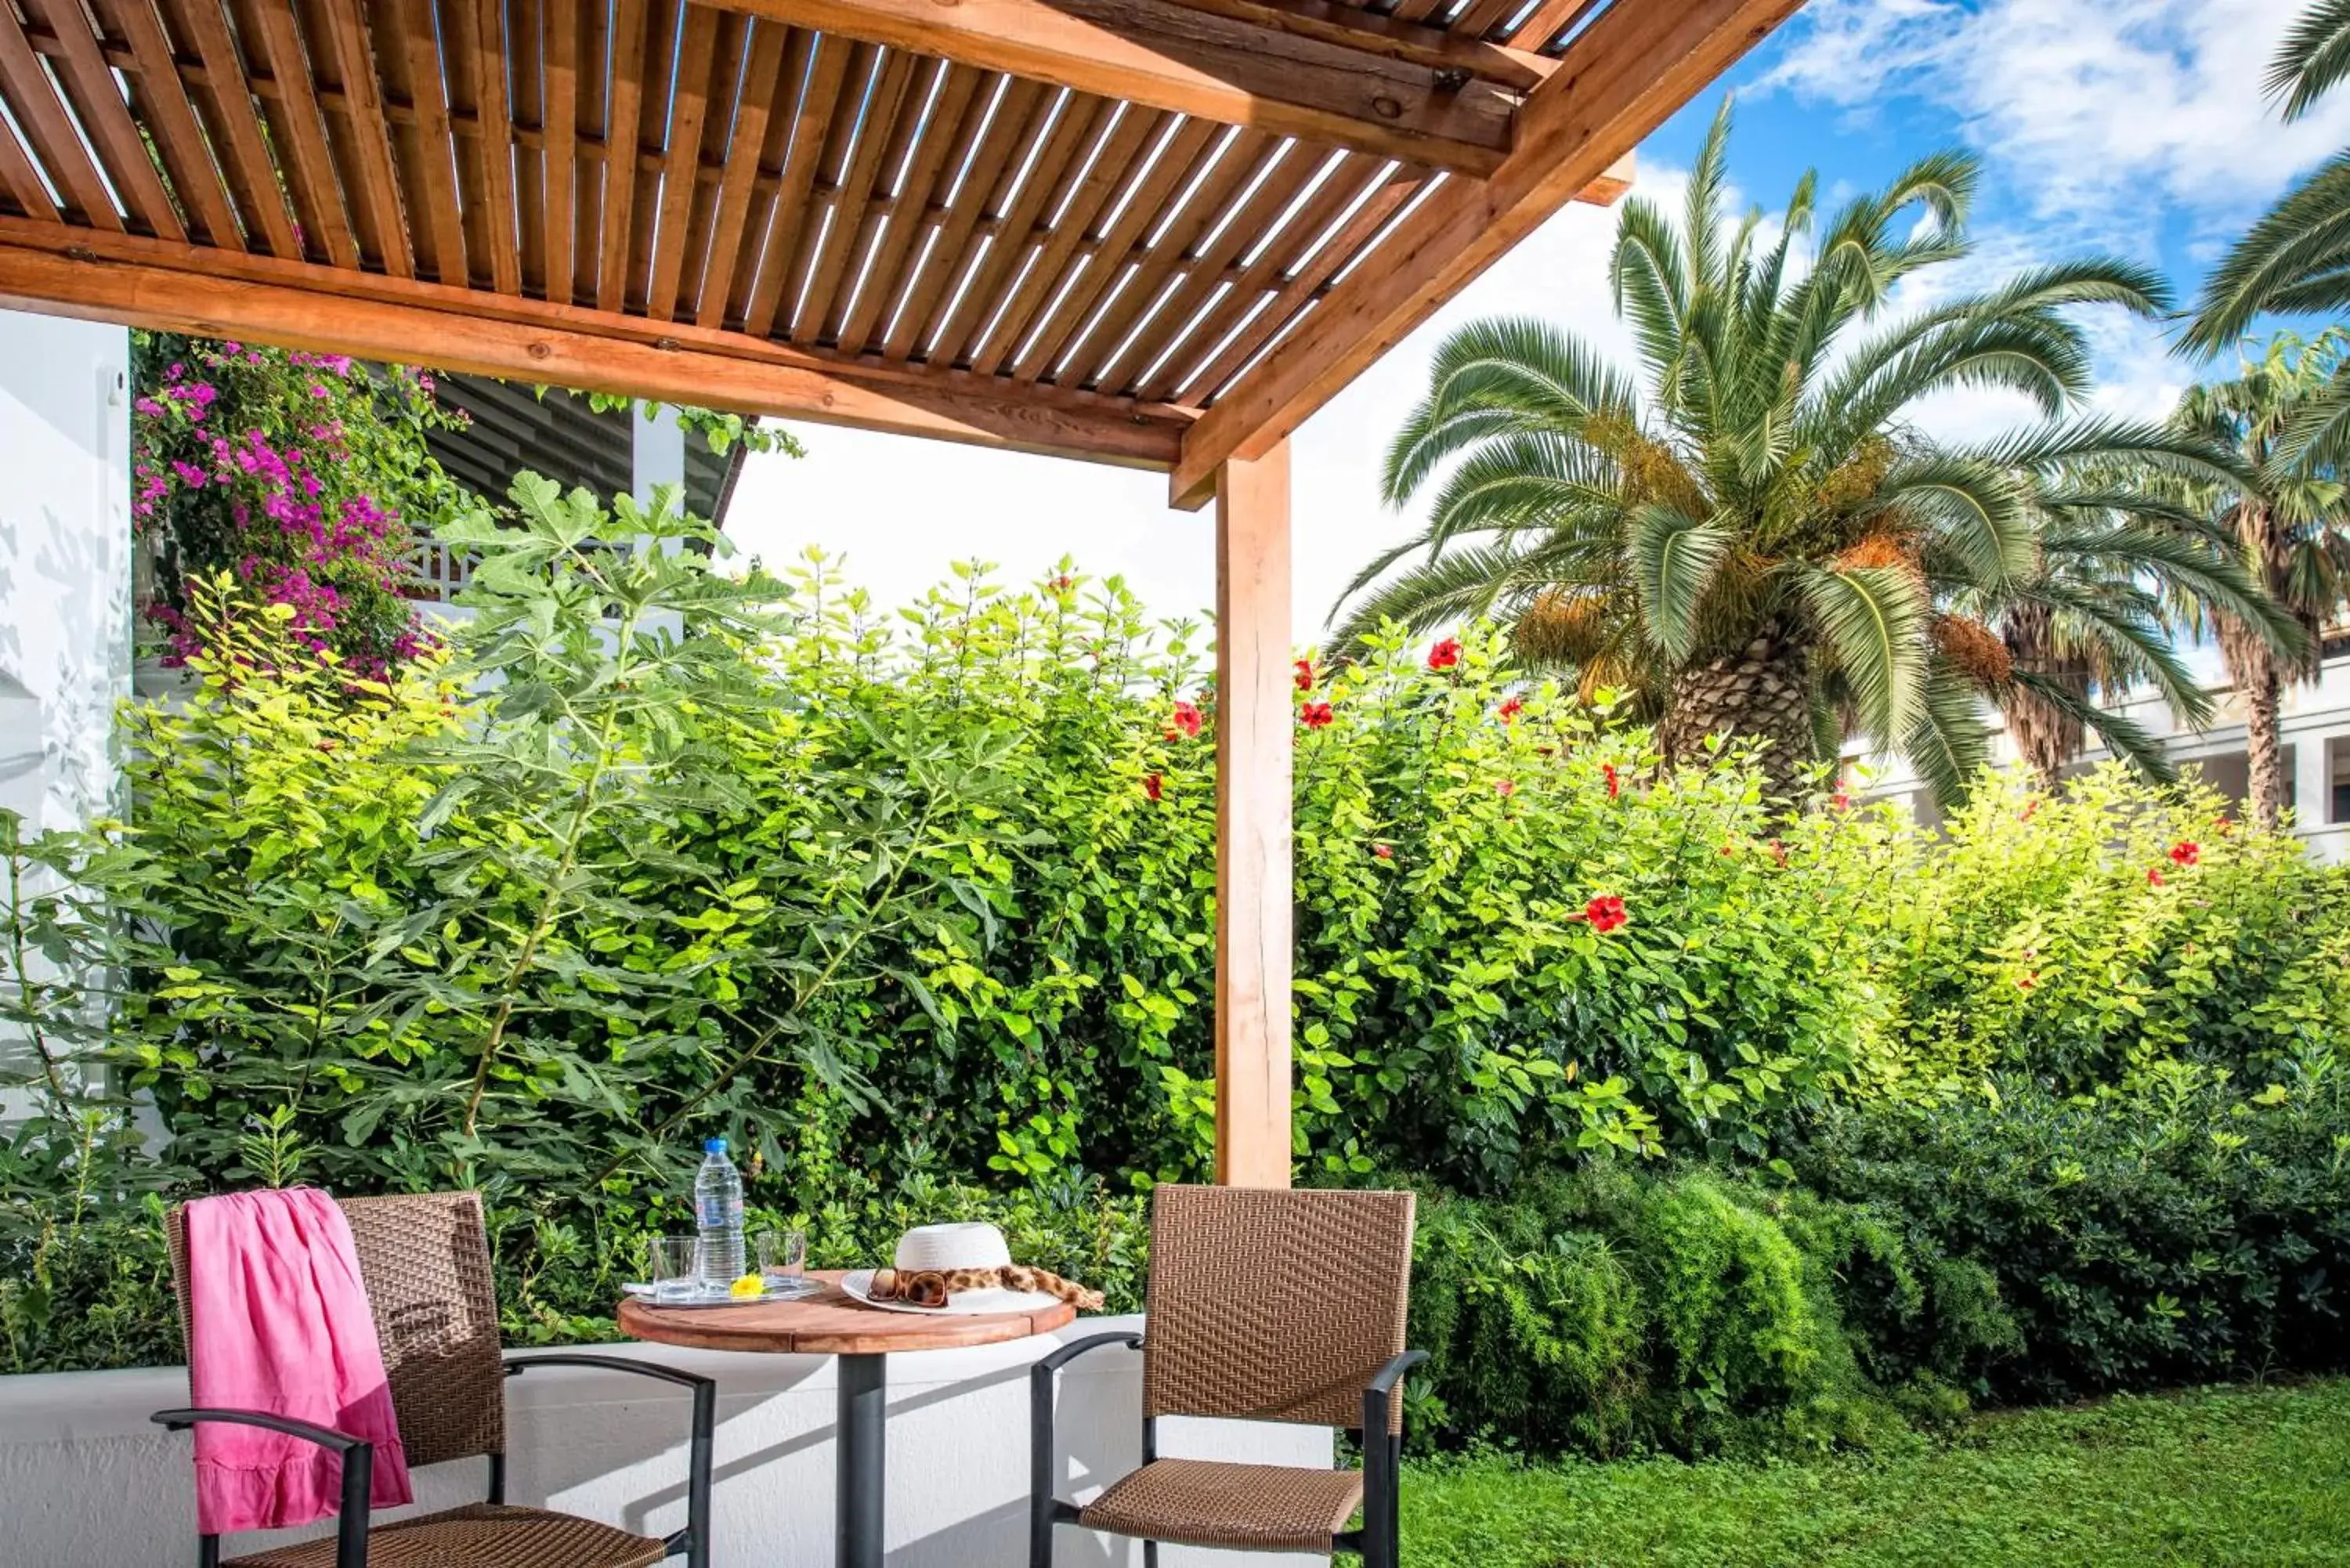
(2223, 825)
(1306, 675)
(1509, 710)
(1382, 851)
(2025, 982)
(1064, 583)
(1185, 721)
(1779, 853)
(1152, 785)
(1841, 801)
(2153, 876)
(1505, 788)
(2186, 852)
(1445, 654)
(1605, 913)
(1615, 785)
(2031, 809)
(1315, 715)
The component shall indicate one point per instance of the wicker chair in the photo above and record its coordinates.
(425, 1260)
(1265, 1305)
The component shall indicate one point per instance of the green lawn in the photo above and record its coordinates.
(2221, 1477)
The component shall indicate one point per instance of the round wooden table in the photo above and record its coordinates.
(863, 1338)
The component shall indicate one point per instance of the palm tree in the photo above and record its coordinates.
(1764, 544)
(2296, 259)
(2284, 521)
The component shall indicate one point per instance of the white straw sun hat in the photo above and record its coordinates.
(969, 1245)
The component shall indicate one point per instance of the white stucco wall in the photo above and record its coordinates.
(86, 1482)
(65, 562)
(64, 572)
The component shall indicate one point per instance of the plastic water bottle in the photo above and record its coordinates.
(718, 1212)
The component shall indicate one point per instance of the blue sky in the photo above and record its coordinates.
(2133, 126)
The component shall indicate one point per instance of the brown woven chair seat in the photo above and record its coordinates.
(479, 1535)
(1201, 1502)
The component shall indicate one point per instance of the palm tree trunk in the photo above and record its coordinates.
(2257, 673)
(1758, 694)
(2260, 686)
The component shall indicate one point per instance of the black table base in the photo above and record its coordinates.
(863, 1461)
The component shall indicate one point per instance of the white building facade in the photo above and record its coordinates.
(2314, 726)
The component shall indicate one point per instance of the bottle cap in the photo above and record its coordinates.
(713, 1146)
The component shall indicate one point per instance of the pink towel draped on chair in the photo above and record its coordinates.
(279, 1322)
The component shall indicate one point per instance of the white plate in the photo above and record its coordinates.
(962, 1303)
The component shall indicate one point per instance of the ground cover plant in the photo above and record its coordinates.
(917, 910)
(2235, 1477)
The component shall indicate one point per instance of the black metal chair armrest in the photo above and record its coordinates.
(325, 1437)
(515, 1364)
(1044, 1509)
(1392, 1373)
(1077, 1347)
(694, 1539)
(359, 1468)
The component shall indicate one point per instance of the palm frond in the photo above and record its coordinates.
(2299, 241)
(1873, 620)
(1947, 741)
(2314, 58)
(1673, 558)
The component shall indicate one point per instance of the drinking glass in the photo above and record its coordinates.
(782, 1256)
(676, 1271)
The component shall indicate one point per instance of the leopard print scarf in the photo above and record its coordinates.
(931, 1287)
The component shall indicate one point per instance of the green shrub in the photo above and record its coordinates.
(1622, 1310)
(2176, 1232)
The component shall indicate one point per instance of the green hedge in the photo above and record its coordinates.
(917, 910)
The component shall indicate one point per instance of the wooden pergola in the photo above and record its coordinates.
(1152, 232)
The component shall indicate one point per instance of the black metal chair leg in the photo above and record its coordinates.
(1150, 1554)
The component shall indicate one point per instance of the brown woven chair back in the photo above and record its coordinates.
(1273, 1305)
(425, 1260)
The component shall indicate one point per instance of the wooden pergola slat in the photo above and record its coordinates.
(1152, 233)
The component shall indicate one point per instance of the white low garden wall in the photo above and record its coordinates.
(86, 1481)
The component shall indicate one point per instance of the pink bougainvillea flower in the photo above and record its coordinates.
(1508, 711)
(2153, 876)
(1306, 675)
(2186, 852)
(1505, 788)
(1152, 785)
(1605, 913)
(1315, 715)
(1445, 654)
(1185, 721)
(1615, 785)
(1382, 851)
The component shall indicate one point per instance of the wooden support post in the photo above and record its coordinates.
(1253, 738)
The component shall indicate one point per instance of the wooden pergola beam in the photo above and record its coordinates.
(145, 283)
(1620, 79)
(1280, 68)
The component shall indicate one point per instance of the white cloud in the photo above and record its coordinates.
(2106, 116)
